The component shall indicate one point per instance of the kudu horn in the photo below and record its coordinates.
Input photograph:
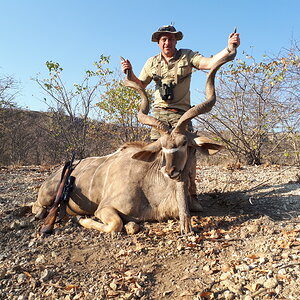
(143, 112)
(206, 106)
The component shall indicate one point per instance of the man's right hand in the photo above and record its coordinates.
(127, 69)
(126, 65)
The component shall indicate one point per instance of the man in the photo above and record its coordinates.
(171, 70)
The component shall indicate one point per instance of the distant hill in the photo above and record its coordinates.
(32, 137)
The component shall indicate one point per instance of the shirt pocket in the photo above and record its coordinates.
(183, 69)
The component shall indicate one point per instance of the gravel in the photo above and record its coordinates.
(246, 244)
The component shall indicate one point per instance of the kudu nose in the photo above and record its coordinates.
(172, 172)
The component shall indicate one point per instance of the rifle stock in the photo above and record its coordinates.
(50, 220)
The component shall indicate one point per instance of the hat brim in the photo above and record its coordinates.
(155, 35)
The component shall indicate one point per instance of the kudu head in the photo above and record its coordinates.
(174, 146)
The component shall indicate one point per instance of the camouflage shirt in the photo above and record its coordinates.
(182, 64)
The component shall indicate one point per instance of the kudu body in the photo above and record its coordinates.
(139, 181)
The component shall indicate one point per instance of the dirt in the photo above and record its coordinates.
(246, 244)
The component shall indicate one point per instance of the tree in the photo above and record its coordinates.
(8, 91)
(253, 103)
(290, 62)
(119, 105)
(70, 108)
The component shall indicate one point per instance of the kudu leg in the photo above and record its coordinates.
(184, 214)
(46, 196)
(38, 210)
(194, 204)
(45, 199)
(110, 218)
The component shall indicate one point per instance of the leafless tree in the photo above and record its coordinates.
(70, 109)
(256, 102)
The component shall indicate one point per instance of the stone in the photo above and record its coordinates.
(21, 278)
(46, 275)
(40, 259)
(229, 295)
(225, 276)
(132, 228)
(270, 283)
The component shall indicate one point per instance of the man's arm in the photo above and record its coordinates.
(207, 62)
(126, 65)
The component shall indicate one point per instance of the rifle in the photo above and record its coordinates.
(62, 195)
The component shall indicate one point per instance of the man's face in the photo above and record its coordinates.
(167, 44)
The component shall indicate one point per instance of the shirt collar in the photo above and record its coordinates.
(175, 56)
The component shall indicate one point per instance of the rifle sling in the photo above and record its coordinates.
(62, 211)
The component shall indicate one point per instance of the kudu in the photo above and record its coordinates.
(139, 181)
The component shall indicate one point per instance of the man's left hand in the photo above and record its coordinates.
(233, 41)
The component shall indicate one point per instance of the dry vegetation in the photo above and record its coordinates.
(30, 137)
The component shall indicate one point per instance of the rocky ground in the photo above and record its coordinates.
(246, 245)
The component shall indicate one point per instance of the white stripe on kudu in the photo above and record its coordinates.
(165, 150)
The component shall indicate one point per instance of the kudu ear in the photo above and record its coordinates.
(149, 152)
(206, 145)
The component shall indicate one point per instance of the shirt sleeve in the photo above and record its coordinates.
(146, 75)
(196, 59)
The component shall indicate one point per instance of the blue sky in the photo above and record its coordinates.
(75, 33)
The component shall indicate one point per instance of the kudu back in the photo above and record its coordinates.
(139, 181)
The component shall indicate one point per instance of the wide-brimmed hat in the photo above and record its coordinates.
(166, 29)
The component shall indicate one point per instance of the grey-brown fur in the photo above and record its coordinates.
(133, 188)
